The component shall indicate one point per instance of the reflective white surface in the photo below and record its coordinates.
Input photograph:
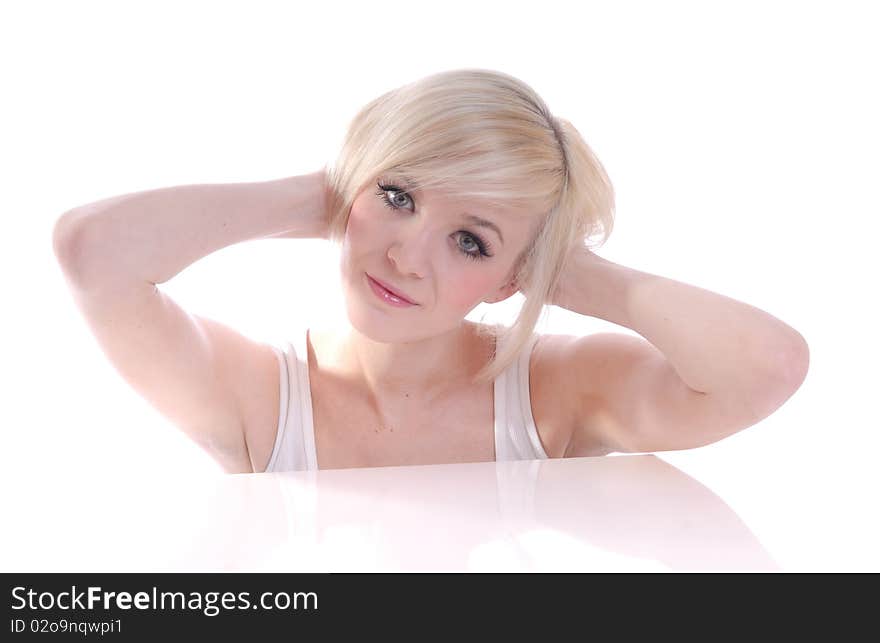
(624, 513)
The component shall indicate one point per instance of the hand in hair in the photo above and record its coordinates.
(577, 270)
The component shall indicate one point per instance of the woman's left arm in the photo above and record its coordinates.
(717, 345)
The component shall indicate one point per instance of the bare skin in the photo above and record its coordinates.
(456, 426)
(425, 248)
(404, 373)
(404, 368)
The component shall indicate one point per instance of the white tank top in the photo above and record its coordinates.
(516, 437)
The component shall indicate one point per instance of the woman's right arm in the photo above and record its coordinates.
(155, 234)
(218, 386)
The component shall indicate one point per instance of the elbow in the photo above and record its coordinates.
(69, 243)
(785, 361)
(798, 361)
(779, 379)
(62, 232)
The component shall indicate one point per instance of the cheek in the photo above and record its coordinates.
(466, 290)
(357, 225)
(362, 232)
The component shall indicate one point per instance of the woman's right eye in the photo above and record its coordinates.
(394, 202)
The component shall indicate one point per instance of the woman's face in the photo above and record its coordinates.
(430, 249)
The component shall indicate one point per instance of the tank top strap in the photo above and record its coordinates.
(516, 436)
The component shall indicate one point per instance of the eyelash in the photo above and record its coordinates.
(484, 246)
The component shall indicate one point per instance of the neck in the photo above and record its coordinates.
(413, 373)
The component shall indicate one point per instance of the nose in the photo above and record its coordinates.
(409, 252)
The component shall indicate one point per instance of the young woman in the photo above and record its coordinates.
(456, 189)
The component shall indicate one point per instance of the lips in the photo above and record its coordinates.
(392, 290)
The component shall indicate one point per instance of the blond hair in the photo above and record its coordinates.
(483, 135)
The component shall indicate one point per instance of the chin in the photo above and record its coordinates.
(382, 333)
(385, 329)
(370, 323)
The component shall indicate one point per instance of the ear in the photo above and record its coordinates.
(503, 293)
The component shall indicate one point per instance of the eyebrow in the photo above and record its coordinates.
(484, 223)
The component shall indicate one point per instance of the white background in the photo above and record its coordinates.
(742, 140)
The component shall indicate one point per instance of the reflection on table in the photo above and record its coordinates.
(620, 513)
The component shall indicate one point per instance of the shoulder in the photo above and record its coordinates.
(556, 381)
